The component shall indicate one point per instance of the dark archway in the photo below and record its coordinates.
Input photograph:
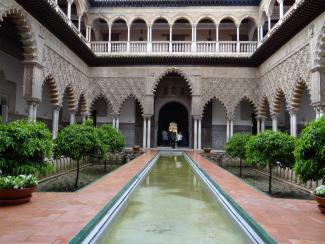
(173, 112)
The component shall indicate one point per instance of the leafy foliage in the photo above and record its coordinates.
(310, 151)
(235, 147)
(270, 148)
(110, 136)
(24, 148)
(18, 182)
(78, 141)
(320, 191)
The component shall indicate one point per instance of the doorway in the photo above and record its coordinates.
(173, 112)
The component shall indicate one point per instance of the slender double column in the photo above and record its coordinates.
(146, 132)
(319, 111)
(116, 122)
(230, 128)
(197, 133)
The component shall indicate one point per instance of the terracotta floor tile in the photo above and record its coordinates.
(57, 217)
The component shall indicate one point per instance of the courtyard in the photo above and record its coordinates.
(162, 121)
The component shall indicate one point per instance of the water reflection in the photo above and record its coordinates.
(173, 207)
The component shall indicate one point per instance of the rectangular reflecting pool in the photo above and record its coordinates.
(172, 204)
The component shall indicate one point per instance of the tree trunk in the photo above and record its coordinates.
(77, 177)
(240, 167)
(105, 164)
(270, 181)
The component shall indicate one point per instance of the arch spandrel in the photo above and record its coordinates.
(179, 72)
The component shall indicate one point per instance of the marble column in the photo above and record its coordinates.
(195, 134)
(281, 8)
(269, 23)
(262, 124)
(144, 142)
(193, 39)
(55, 121)
(293, 123)
(238, 44)
(129, 38)
(72, 117)
(69, 10)
(199, 134)
(228, 129)
(113, 123)
(217, 37)
(231, 128)
(148, 132)
(258, 125)
(274, 122)
(170, 39)
(117, 123)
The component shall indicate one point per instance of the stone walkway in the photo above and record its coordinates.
(286, 220)
(57, 217)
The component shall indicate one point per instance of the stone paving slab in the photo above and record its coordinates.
(58, 217)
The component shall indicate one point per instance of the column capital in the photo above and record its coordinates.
(57, 107)
(147, 116)
(275, 115)
(293, 111)
(32, 101)
(199, 117)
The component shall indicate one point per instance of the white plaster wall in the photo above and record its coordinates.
(306, 112)
(44, 109)
(246, 109)
(13, 71)
(218, 113)
(127, 114)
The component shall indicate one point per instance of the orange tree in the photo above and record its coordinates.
(310, 152)
(269, 149)
(235, 147)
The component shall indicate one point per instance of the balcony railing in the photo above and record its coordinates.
(100, 47)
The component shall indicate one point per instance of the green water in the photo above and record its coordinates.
(172, 206)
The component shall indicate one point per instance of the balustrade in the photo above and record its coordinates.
(138, 47)
(174, 47)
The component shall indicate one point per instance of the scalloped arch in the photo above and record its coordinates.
(98, 97)
(168, 72)
(53, 88)
(206, 102)
(128, 97)
(70, 94)
(24, 30)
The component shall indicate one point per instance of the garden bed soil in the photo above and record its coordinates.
(65, 183)
(261, 182)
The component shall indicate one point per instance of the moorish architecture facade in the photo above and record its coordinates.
(214, 67)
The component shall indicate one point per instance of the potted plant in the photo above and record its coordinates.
(320, 197)
(17, 189)
(136, 148)
(25, 148)
(207, 149)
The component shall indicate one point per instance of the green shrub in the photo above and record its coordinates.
(78, 141)
(112, 137)
(235, 147)
(25, 148)
(17, 182)
(269, 149)
(310, 151)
